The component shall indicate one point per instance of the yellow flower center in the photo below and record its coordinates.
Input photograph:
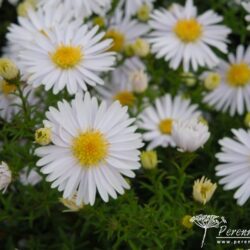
(126, 98)
(188, 30)
(165, 126)
(90, 148)
(238, 74)
(118, 40)
(7, 88)
(66, 57)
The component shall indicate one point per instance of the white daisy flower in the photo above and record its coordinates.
(36, 22)
(124, 31)
(120, 86)
(93, 146)
(158, 120)
(234, 167)
(81, 8)
(72, 57)
(29, 177)
(233, 92)
(132, 6)
(246, 6)
(189, 135)
(180, 36)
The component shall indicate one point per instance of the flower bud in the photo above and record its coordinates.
(141, 47)
(203, 190)
(143, 13)
(43, 136)
(212, 81)
(8, 69)
(189, 79)
(139, 81)
(23, 8)
(186, 221)
(149, 159)
(5, 176)
(71, 204)
(100, 21)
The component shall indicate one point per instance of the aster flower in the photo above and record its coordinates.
(71, 57)
(89, 152)
(203, 190)
(234, 167)
(180, 36)
(158, 120)
(122, 83)
(233, 92)
(189, 135)
(124, 31)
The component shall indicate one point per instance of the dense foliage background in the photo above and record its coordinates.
(149, 215)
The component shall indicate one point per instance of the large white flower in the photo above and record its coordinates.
(189, 135)
(93, 146)
(158, 120)
(235, 165)
(233, 92)
(124, 30)
(70, 57)
(181, 36)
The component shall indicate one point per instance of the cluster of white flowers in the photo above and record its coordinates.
(87, 146)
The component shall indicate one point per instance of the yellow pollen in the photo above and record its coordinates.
(66, 57)
(7, 88)
(118, 40)
(238, 75)
(188, 30)
(90, 148)
(165, 126)
(126, 98)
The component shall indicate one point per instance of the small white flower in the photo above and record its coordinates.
(29, 177)
(5, 176)
(234, 167)
(189, 135)
(158, 120)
